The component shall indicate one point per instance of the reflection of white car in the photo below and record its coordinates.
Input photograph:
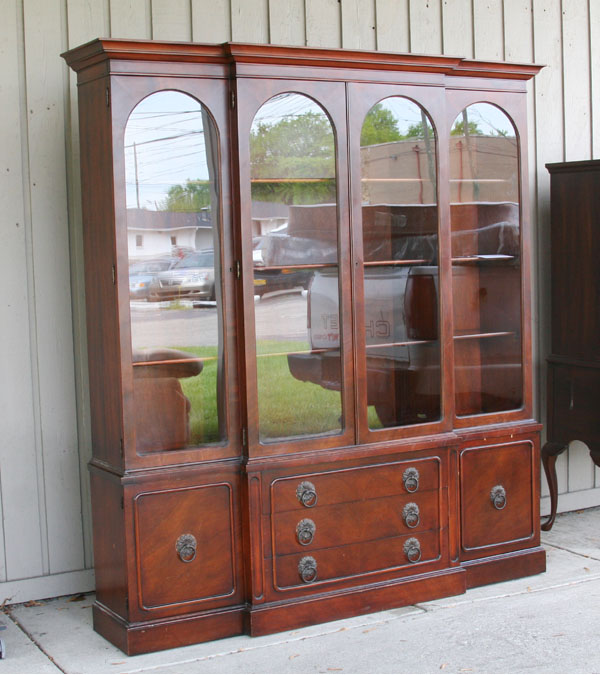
(191, 277)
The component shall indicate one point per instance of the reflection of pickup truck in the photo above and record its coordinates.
(401, 305)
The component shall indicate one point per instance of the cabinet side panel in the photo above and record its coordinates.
(109, 542)
(99, 254)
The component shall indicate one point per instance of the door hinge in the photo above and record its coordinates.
(244, 437)
(121, 447)
(107, 97)
(232, 98)
(238, 269)
(114, 275)
(122, 503)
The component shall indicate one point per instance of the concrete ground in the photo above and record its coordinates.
(544, 624)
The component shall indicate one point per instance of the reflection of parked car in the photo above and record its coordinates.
(279, 279)
(142, 274)
(191, 277)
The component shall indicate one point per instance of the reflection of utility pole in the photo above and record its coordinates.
(470, 155)
(430, 155)
(137, 182)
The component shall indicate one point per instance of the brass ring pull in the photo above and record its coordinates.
(411, 515)
(410, 479)
(412, 550)
(307, 569)
(305, 531)
(186, 548)
(307, 494)
(498, 497)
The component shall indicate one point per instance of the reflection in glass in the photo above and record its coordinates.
(485, 220)
(173, 214)
(400, 243)
(295, 252)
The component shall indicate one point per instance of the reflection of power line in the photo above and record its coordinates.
(165, 138)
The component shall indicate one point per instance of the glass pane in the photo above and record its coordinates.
(295, 251)
(485, 220)
(173, 216)
(400, 240)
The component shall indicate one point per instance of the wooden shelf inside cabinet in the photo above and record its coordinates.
(484, 336)
(494, 259)
(397, 263)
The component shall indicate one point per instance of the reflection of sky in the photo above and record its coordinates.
(490, 120)
(285, 105)
(167, 131)
(406, 113)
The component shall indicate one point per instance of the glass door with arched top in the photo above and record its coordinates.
(295, 233)
(485, 215)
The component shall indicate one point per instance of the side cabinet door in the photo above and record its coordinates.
(498, 502)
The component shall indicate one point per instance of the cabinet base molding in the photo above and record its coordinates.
(364, 600)
(179, 631)
(506, 566)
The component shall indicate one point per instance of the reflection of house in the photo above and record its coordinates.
(266, 216)
(151, 233)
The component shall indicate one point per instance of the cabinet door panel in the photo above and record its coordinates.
(496, 497)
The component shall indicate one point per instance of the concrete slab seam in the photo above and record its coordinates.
(32, 639)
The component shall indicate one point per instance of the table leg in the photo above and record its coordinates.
(550, 452)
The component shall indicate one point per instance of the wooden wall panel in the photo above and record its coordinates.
(425, 27)
(358, 24)
(323, 23)
(488, 30)
(171, 20)
(51, 294)
(250, 21)
(287, 22)
(392, 25)
(129, 19)
(23, 549)
(211, 21)
(457, 28)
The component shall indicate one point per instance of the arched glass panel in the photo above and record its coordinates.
(295, 241)
(486, 264)
(173, 221)
(400, 243)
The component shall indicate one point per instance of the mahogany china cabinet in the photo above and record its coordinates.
(307, 287)
(574, 361)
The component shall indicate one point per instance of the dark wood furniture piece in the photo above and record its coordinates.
(574, 362)
(347, 297)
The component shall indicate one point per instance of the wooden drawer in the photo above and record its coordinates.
(576, 392)
(171, 570)
(311, 491)
(357, 560)
(355, 522)
(497, 498)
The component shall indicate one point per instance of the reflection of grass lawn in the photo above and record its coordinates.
(287, 407)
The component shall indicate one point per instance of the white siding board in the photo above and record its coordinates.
(250, 21)
(518, 31)
(595, 79)
(425, 26)
(130, 19)
(171, 20)
(457, 28)
(392, 25)
(51, 301)
(488, 30)
(211, 21)
(576, 63)
(85, 19)
(287, 22)
(323, 23)
(581, 468)
(22, 546)
(358, 24)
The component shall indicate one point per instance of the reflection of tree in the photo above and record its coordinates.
(191, 197)
(380, 126)
(293, 160)
(472, 129)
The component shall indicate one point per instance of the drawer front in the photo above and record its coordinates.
(497, 497)
(576, 392)
(185, 545)
(308, 492)
(312, 569)
(355, 522)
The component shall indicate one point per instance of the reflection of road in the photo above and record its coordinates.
(278, 317)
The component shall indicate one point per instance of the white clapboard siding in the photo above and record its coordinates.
(45, 530)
